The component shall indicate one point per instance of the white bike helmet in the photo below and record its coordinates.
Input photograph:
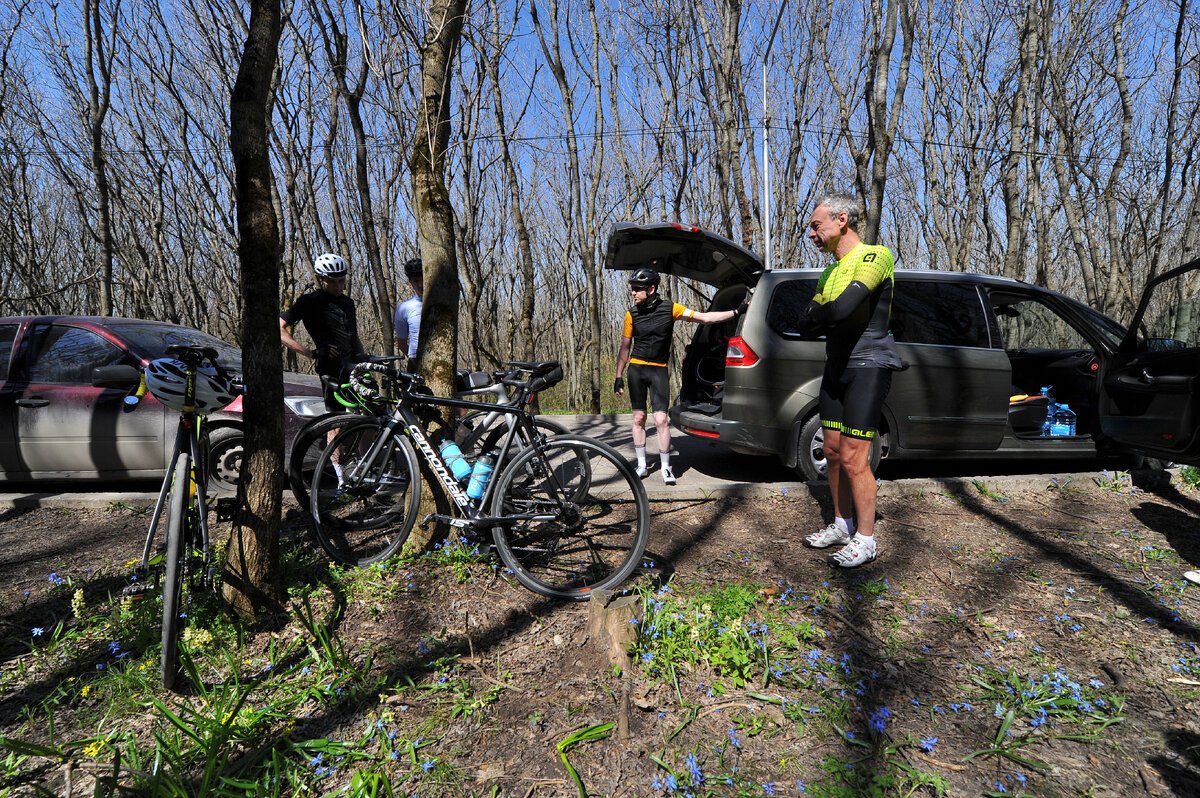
(330, 265)
(166, 378)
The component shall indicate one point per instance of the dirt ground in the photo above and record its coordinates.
(1077, 580)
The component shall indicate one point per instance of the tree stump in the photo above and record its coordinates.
(610, 632)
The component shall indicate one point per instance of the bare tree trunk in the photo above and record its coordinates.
(438, 351)
(98, 59)
(1018, 142)
(251, 578)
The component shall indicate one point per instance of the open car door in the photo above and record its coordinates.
(1150, 394)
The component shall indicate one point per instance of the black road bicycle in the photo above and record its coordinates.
(185, 556)
(566, 513)
(476, 432)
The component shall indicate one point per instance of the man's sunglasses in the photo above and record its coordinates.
(638, 287)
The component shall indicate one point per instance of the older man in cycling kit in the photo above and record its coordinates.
(853, 305)
(646, 348)
(330, 320)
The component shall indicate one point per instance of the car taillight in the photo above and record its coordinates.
(739, 353)
(687, 228)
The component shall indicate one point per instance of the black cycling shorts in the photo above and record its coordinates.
(654, 380)
(852, 400)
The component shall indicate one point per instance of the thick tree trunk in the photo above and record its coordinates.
(251, 578)
(437, 354)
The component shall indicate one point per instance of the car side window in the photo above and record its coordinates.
(67, 355)
(938, 312)
(8, 334)
(785, 313)
(1028, 324)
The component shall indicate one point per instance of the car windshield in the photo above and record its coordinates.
(151, 341)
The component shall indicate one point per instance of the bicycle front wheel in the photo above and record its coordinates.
(172, 594)
(366, 490)
(307, 446)
(578, 517)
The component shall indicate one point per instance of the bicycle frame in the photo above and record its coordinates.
(188, 439)
(405, 419)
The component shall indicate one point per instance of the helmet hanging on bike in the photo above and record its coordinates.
(330, 265)
(166, 378)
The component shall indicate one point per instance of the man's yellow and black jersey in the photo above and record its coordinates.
(650, 326)
(858, 318)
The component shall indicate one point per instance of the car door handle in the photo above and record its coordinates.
(32, 402)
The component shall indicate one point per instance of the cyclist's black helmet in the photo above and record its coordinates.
(644, 277)
(413, 268)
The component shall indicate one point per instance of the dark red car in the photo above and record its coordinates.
(59, 419)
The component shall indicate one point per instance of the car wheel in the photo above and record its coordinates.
(811, 464)
(224, 459)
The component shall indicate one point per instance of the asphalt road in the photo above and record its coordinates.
(703, 470)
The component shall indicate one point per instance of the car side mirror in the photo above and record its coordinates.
(116, 377)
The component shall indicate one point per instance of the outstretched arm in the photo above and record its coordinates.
(291, 343)
(716, 316)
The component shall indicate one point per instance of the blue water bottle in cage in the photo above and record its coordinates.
(480, 475)
(454, 459)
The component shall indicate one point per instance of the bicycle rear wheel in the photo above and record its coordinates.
(172, 594)
(586, 517)
(363, 507)
(307, 446)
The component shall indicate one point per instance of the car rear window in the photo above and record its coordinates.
(785, 314)
(939, 312)
(151, 341)
(923, 312)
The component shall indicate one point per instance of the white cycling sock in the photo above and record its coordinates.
(640, 451)
(664, 458)
(847, 525)
(337, 469)
(866, 540)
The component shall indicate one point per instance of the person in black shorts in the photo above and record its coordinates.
(329, 318)
(646, 348)
(853, 306)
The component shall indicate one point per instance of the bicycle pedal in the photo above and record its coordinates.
(135, 591)
(226, 508)
(424, 524)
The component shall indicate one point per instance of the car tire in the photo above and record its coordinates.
(810, 455)
(224, 460)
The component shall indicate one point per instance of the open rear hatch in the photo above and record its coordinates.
(693, 254)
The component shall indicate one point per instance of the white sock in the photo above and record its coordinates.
(337, 469)
(665, 459)
(847, 525)
(867, 540)
(640, 451)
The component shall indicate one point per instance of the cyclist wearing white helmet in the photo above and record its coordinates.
(407, 319)
(646, 348)
(330, 320)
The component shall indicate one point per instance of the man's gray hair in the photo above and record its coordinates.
(839, 203)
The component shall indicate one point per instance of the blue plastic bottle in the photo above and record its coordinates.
(455, 461)
(1064, 421)
(480, 475)
(1048, 423)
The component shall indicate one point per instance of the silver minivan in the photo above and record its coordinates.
(971, 345)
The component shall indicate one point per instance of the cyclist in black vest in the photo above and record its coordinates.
(646, 348)
(329, 318)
